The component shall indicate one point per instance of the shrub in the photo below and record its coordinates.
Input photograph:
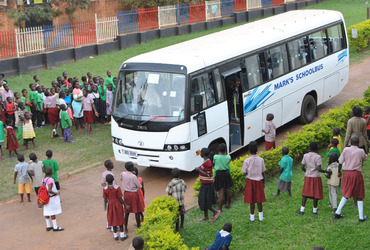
(158, 229)
(363, 31)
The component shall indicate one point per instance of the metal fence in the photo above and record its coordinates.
(29, 40)
(167, 16)
(8, 46)
(106, 28)
(58, 36)
(52, 37)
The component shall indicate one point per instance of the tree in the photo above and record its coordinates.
(139, 4)
(46, 11)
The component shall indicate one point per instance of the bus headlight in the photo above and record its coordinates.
(176, 147)
(117, 141)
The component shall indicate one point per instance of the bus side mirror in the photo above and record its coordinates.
(198, 103)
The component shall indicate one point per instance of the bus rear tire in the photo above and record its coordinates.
(308, 109)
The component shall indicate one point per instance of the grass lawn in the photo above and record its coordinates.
(283, 227)
(81, 154)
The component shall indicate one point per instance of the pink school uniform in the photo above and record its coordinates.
(270, 134)
(131, 185)
(312, 186)
(353, 183)
(254, 192)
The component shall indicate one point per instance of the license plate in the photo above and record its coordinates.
(130, 153)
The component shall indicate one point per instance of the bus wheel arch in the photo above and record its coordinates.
(213, 146)
(308, 108)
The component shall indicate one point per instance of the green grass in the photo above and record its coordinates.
(283, 227)
(86, 151)
(354, 11)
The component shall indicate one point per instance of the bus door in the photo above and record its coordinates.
(235, 107)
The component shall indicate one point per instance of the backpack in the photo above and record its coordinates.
(43, 196)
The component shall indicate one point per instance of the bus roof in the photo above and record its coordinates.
(205, 51)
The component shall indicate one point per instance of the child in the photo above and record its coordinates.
(352, 182)
(223, 181)
(24, 99)
(367, 118)
(10, 110)
(76, 106)
(95, 95)
(2, 112)
(19, 120)
(138, 243)
(131, 185)
(102, 89)
(336, 135)
(223, 238)
(333, 147)
(254, 168)
(28, 131)
(53, 207)
(66, 124)
(1, 139)
(312, 186)
(109, 166)
(270, 132)
(12, 142)
(140, 191)
(112, 195)
(36, 170)
(333, 180)
(285, 180)
(32, 99)
(53, 164)
(109, 101)
(21, 170)
(53, 112)
(88, 109)
(176, 188)
(39, 106)
(206, 197)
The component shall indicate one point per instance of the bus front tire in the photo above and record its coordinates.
(308, 109)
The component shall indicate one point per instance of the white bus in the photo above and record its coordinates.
(172, 102)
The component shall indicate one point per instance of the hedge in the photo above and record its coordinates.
(363, 32)
(158, 229)
(297, 142)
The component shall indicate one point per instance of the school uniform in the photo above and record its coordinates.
(54, 206)
(10, 145)
(115, 215)
(312, 186)
(353, 183)
(254, 192)
(140, 191)
(130, 186)
(222, 172)
(223, 238)
(87, 103)
(109, 102)
(207, 196)
(270, 134)
(52, 109)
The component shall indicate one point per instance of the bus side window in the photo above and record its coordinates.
(253, 71)
(298, 53)
(197, 88)
(336, 41)
(277, 61)
(209, 88)
(219, 86)
(318, 47)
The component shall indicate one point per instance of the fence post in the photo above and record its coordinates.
(96, 28)
(16, 41)
(177, 14)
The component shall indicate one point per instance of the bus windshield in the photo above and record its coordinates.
(149, 96)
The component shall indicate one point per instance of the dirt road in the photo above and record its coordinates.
(22, 226)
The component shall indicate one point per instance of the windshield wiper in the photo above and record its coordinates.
(145, 122)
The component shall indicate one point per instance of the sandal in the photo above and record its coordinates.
(216, 216)
(58, 229)
(124, 237)
(201, 220)
(49, 228)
